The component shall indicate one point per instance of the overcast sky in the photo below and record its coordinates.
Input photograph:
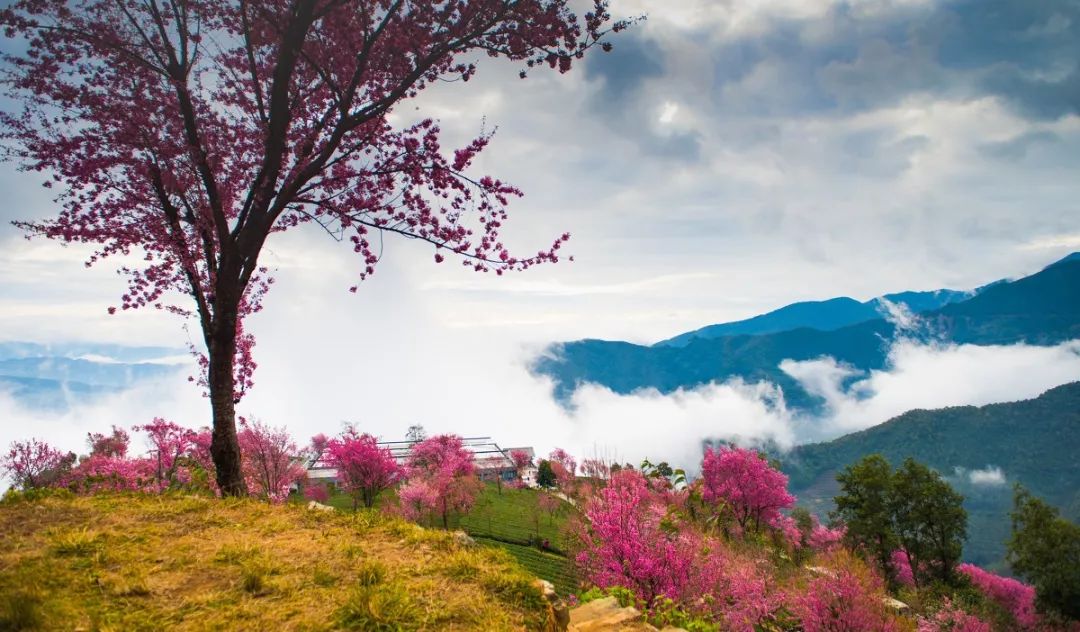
(728, 157)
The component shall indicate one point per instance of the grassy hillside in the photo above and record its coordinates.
(513, 521)
(1033, 442)
(121, 562)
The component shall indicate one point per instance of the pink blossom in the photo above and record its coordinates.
(952, 619)
(744, 483)
(31, 463)
(364, 469)
(441, 478)
(1015, 596)
(843, 598)
(901, 565)
(270, 460)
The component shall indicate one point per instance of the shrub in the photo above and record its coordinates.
(382, 608)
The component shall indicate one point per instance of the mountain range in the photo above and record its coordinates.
(981, 450)
(55, 377)
(1040, 309)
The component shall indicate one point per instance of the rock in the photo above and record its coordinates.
(317, 506)
(560, 612)
(895, 604)
(605, 615)
(464, 539)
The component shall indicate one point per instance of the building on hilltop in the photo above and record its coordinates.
(492, 462)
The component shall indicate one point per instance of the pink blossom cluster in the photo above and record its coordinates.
(441, 479)
(270, 461)
(30, 464)
(843, 597)
(744, 483)
(901, 565)
(625, 544)
(1015, 596)
(952, 619)
(823, 538)
(178, 457)
(364, 468)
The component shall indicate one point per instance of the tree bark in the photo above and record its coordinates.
(221, 349)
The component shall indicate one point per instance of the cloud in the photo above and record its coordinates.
(989, 476)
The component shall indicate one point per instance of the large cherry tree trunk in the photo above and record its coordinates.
(221, 377)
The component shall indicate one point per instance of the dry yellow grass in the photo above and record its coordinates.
(128, 562)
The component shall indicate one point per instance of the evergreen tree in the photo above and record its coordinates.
(929, 521)
(1045, 550)
(545, 475)
(863, 506)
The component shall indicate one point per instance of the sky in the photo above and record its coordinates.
(727, 158)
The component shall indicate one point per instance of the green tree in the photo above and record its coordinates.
(545, 476)
(863, 506)
(1045, 550)
(929, 521)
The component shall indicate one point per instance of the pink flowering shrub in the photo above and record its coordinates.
(270, 460)
(823, 538)
(113, 445)
(33, 463)
(441, 479)
(845, 596)
(902, 568)
(318, 493)
(732, 589)
(623, 543)
(744, 484)
(364, 468)
(1014, 596)
(952, 619)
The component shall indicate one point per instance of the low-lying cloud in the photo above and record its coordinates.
(473, 390)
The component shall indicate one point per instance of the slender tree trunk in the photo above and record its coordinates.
(221, 348)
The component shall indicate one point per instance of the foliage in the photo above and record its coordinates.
(929, 521)
(846, 596)
(270, 460)
(1014, 596)
(364, 468)
(1045, 550)
(912, 510)
(33, 463)
(545, 474)
(625, 545)
(952, 619)
(863, 507)
(441, 479)
(742, 482)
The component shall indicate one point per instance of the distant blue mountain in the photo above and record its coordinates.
(1041, 309)
(55, 377)
(828, 315)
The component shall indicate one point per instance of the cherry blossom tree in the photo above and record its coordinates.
(272, 464)
(364, 468)
(170, 446)
(623, 543)
(32, 463)
(187, 132)
(564, 467)
(441, 477)
(110, 445)
(746, 485)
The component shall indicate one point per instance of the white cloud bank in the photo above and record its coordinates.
(453, 384)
